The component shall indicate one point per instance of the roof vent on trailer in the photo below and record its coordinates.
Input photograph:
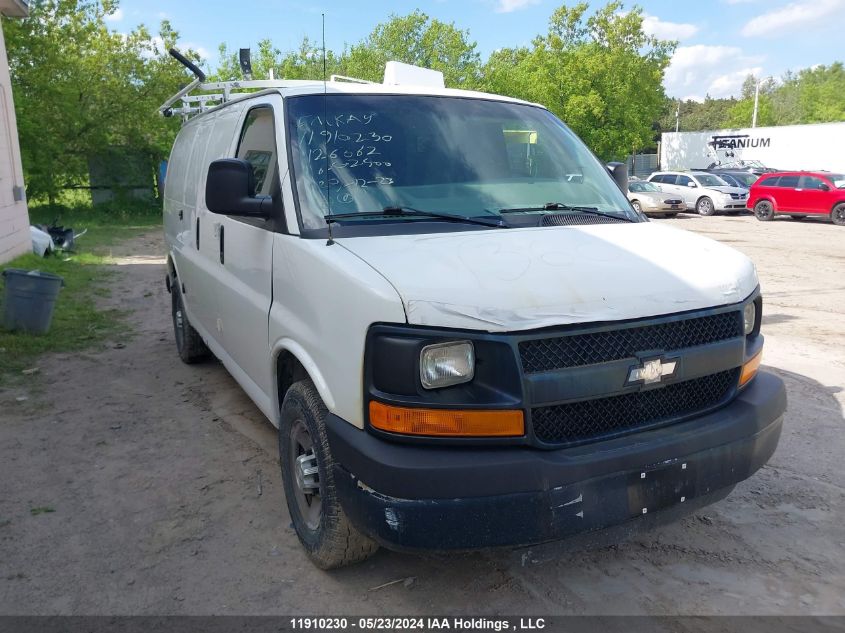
(399, 74)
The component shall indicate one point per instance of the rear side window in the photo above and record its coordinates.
(772, 181)
(666, 179)
(258, 147)
(788, 181)
(811, 182)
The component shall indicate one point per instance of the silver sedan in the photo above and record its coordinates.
(646, 197)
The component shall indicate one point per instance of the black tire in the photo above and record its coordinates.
(705, 206)
(189, 343)
(764, 211)
(636, 205)
(837, 216)
(324, 530)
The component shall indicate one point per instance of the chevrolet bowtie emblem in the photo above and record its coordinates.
(652, 371)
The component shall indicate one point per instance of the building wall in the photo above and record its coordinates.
(14, 218)
(788, 147)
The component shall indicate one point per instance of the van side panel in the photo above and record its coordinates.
(319, 316)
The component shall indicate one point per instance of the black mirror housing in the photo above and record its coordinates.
(230, 190)
(619, 172)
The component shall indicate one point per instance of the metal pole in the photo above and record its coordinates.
(756, 103)
(678, 116)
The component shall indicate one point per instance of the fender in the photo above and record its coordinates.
(298, 352)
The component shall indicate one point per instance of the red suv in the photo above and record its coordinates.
(799, 194)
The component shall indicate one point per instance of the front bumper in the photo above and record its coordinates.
(732, 205)
(427, 497)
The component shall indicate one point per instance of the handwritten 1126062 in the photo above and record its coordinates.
(349, 147)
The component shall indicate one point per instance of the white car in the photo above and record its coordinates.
(704, 193)
(464, 333)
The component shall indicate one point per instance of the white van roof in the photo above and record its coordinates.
(399, 79)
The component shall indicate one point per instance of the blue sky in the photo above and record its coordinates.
(721, 41)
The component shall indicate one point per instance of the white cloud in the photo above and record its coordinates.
(507, 6)
(114, 16)
(668, 30)
(715, 70)
(794, 16)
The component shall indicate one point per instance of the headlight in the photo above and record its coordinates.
(445, 364)
(749, 316)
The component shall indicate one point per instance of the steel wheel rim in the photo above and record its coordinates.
(303, 461)
(706, 207)
(178, 324)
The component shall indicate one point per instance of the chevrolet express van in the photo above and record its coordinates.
(465, 334)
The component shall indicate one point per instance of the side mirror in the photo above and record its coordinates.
(823, 187)
(691, 185)
(230, 190)
(619, 173)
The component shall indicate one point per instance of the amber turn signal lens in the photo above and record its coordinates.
(446, 422)
(749, 369)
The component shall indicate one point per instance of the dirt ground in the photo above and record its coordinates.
(133, 484)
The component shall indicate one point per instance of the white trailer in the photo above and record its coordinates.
(788, 147)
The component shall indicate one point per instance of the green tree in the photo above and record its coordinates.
(83, 91)
(420, 40)
(602, 74)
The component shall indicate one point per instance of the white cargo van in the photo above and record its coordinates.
(464, 333)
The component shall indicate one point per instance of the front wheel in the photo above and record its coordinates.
(636, 205)
(837, 216)
(705, 206)
(764, 211)
(322, 526)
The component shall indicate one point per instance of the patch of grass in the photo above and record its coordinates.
(41, 510)
(77, 321)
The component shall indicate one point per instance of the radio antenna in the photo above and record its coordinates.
(330, 241)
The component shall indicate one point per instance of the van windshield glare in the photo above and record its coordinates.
(356, 153)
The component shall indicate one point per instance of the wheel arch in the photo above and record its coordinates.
(291, 363)
(836, 204)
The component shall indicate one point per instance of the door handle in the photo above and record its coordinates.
(181, 214)
(222, 245)
(198, 234)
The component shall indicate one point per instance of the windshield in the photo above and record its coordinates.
(642, 186)
(469, 157)
(838, 180)
(746, 179)
(708, 180)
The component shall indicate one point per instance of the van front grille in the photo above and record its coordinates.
(558, 352)
(591, 420)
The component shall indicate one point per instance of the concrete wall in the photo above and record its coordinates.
(789, 147)
(14, 218)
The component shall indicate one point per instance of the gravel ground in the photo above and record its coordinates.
(133, 484)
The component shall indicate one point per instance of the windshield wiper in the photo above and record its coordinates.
(411, 212)
(560, 206)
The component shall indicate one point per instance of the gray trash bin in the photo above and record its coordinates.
(30, 298)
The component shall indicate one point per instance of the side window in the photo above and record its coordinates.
(683, 181)
(258, 147)
(770, 182)
(811, 182)
(788, 181)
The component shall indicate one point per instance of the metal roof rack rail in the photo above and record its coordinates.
(353, 80)
(220, 91)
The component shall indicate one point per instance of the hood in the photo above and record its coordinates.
(727, 189)
(518, 279)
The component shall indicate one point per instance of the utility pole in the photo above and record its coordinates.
(756, 103)
(678, 116)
